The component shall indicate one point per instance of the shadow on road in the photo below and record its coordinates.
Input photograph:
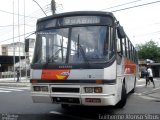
(90, 112)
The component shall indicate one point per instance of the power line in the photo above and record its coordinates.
(28, 20)
(151, 33)
(38, 13)
(122, 4)
(17, 14)
(35, 13)
(28, 17)
(135, 6)
(40, 7)
(17, 36)
(16, 25)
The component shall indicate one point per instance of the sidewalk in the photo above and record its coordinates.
(11, 82)
(148, 92)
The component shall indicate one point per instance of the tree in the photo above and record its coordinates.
(149, 50)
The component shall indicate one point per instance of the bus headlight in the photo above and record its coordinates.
(40, 88)
(89, 89)
(36, 88)
(44, 88)
(93, 89)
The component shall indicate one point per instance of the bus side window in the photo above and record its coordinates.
(126, 47)
(119, 49)
(123, 47)
(44, 50)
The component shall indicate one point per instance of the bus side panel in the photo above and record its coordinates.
(110, 72)
(130, 74)
(120, 76)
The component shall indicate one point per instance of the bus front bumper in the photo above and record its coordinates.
(86, 100)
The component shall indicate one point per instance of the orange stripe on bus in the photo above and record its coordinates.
(55, 74)
(130, 67)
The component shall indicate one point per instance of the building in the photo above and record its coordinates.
(15, 51)
(9, 53)
(156, 69)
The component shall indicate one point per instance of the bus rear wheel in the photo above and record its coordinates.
(123, 100)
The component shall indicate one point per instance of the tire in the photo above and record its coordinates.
(65, 106)
(123, 100)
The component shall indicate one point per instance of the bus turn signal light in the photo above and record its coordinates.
(34, 81)
(93, 89)
(98, 89)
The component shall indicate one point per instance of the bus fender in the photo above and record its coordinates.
(123, 100)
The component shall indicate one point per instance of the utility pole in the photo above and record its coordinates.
(53, 6)
(13, 45)
(24, 39)
(19, 42)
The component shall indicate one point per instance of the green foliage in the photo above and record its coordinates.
(149, 50)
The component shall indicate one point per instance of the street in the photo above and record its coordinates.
(16, 103)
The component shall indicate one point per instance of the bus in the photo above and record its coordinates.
(82, 58)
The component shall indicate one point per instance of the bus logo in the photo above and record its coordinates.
(65, 73)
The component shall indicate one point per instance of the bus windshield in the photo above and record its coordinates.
(73, 45)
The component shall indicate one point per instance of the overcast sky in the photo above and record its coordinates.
(141, 23)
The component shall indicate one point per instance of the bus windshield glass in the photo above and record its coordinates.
(73, 45)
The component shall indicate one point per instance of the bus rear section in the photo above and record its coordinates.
(79, 60)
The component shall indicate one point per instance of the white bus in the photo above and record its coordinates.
(82, 58)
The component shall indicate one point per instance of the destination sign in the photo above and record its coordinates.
(81, 20)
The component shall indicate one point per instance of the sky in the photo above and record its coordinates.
(141, 24)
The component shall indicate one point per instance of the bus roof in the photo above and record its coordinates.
(77, 13)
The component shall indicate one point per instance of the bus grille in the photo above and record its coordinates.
(66, 90)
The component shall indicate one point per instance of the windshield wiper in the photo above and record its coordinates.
(53, 57)
(82, 52)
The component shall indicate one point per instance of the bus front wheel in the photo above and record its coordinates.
(65, 106)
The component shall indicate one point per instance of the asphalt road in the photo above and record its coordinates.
(16, 104)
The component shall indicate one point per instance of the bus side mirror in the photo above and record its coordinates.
(26, 45)
(120, 31)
